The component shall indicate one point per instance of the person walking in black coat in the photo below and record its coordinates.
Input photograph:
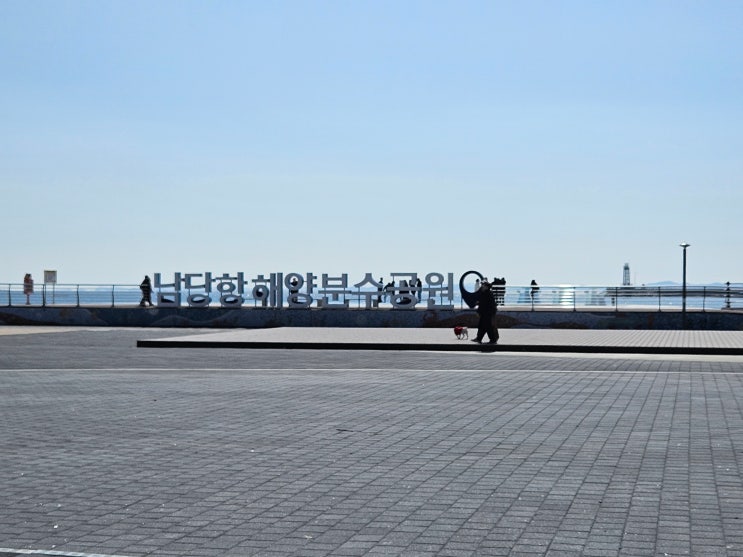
(486, 309)
(146, 288)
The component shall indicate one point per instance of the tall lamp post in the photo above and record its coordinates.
(684, 245)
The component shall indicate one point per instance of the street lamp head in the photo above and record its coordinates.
(684, 245)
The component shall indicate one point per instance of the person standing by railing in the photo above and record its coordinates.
(499, 290)
(28, 287)
(534, 291)
(146, 288)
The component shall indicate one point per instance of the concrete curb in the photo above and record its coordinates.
(458, 347)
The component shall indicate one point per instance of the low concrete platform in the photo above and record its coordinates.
(433, 339)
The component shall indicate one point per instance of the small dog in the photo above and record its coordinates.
(461, 332)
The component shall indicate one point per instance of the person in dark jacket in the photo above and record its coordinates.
(146, 288)
(486, 309)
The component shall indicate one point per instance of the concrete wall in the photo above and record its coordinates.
(261, 318)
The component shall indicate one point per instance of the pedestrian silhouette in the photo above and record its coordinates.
(146, 288)
(28, 287)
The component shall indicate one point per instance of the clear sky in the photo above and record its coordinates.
(524, 139)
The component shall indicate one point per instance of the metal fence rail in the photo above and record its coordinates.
(73, 295)
(517, 298)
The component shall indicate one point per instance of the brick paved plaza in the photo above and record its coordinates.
(110, 449)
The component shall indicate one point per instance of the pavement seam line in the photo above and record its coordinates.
(376, 370)
(52, 552)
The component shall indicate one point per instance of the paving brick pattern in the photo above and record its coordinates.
(108, 449)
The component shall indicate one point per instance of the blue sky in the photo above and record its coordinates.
(546, 140)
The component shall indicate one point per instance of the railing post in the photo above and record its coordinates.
(77, 294)
(43, 295)
(574, 300)
(113, 295)
(660, 295)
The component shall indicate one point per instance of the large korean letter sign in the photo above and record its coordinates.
(300, 291)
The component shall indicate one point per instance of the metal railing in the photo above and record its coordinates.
(517, 298)
(72, 295)
(629, 297)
